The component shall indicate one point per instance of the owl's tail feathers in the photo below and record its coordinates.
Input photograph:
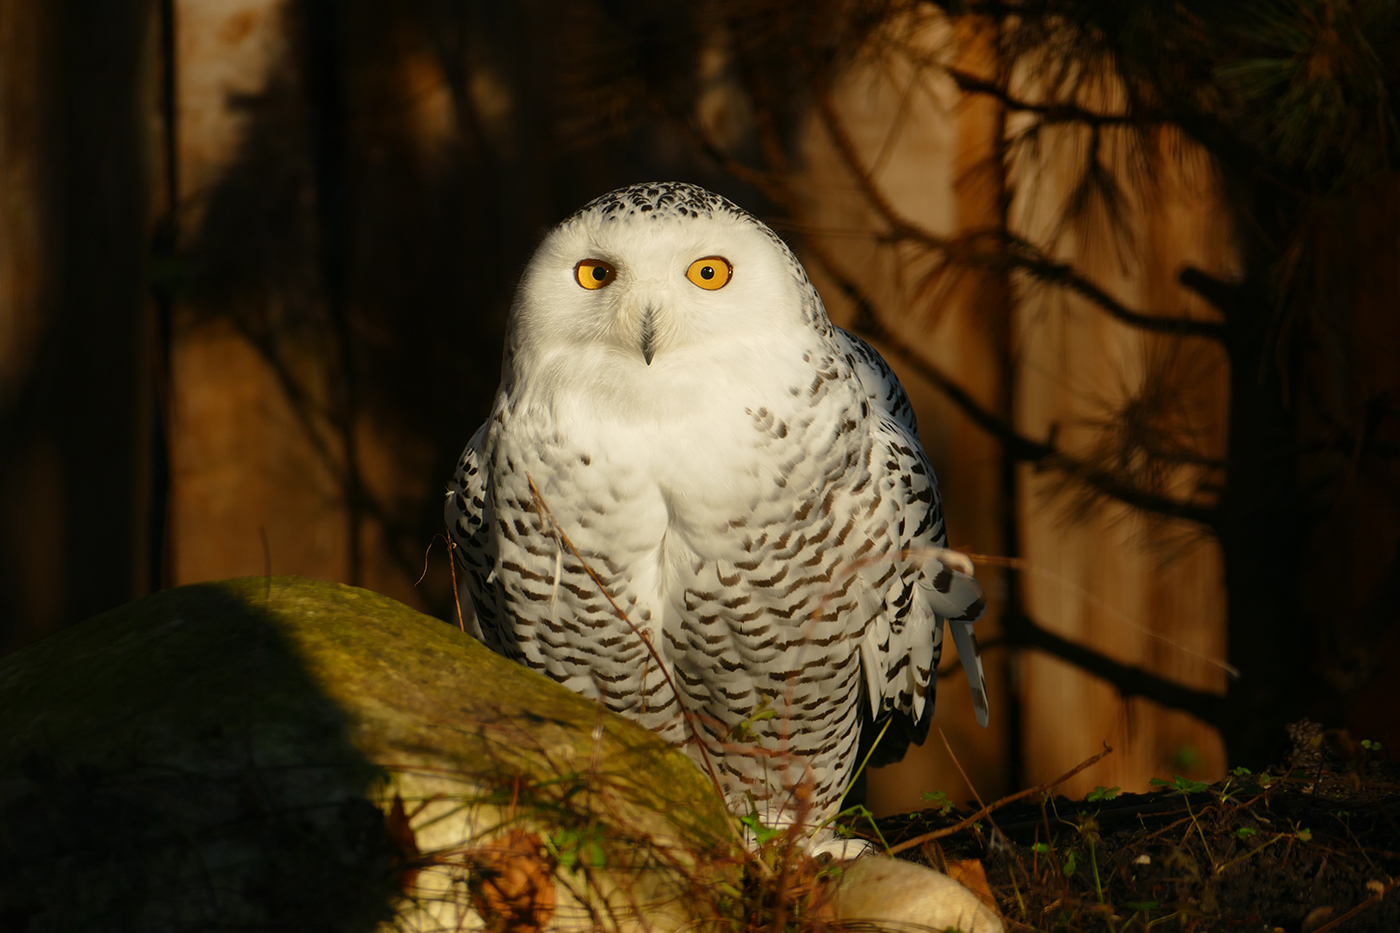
(954, 595)
(971, 657)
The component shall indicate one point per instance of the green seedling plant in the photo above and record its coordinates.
(842, 823)
(1181, 785)
(938, 799)
(1185, 787)
(1101, 794)
(1041, 850)
(1241, 779)
(1088, 829)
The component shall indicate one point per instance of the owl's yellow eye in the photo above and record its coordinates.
(710, 273)
(594, 273)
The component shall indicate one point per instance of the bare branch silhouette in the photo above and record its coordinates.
(994, 248)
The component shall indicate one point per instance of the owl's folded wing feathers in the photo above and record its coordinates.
(946, 583)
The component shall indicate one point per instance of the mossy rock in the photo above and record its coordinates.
(290, 754)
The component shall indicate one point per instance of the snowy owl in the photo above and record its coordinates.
(703, 505)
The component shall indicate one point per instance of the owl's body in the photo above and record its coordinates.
(743, 479)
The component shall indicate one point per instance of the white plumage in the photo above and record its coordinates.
(743, 479)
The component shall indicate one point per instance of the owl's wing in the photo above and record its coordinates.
(901, 656)
(468, 524)
(881, 384)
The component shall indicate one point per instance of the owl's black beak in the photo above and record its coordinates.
(648, 335)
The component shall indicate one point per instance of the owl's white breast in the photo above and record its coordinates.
(652, 463)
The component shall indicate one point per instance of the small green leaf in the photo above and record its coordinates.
(1305, 834)
(572, 846)
(940, 800)
(1244, 832)
(1180, 784)
(763, 833)
(1071, 862)
(1241, 771)
(1101, 794)
(1040, 847)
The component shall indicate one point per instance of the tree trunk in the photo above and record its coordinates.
(1263, 528)
(74, 409)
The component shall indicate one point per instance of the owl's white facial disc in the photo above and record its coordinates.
(651, 328)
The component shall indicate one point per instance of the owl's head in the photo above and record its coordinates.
(658, 279)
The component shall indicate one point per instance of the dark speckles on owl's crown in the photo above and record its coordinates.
(663, 199)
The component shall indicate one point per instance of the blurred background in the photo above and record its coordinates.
(1138, 265)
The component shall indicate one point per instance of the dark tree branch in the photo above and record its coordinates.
(1050, 112)
(1226, 297)
(1027, 257)
(1044, 455)
(1006, 251)
(1129, 680)
(1218, 133)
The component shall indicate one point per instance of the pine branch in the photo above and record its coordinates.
(1029, 258)
(1007, 251)
(1044, 455)
(1050, 112)
(1187, 108)
(1226, 297)
(1129, 680)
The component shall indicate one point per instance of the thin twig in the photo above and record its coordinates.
(456, 593)
(1369, 902)
(997, 805)
(646, 642)
(1050, 112)
(966, 780)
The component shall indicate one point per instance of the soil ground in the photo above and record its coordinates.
(1312, 847)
